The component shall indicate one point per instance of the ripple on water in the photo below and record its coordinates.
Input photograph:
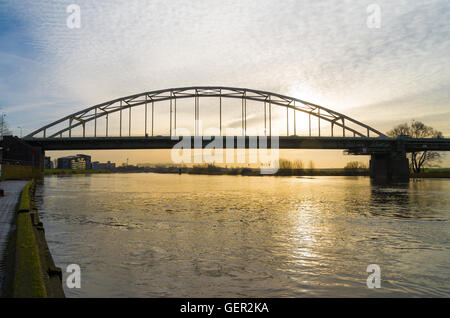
(224, 236)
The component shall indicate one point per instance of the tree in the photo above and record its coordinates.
(417, 129)
(284, 164)
(289, 165)
(4, 130)
(355, 165)
(298, 164)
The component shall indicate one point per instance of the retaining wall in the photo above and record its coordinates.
(34, 272)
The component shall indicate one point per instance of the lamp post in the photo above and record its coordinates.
(20, 131)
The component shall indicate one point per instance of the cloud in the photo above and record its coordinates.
(321, 49)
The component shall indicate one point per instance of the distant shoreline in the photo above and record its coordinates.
(438, 173)
(432, 174)
(73, 171)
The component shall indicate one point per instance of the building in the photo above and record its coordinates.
(103, 165)
(87, 159)
(78, 162)
(48, 164)
(18, 160)
(16, 152)
(66, 162)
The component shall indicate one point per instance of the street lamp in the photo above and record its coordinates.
(20, 131)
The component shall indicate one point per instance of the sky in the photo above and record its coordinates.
(326, 52)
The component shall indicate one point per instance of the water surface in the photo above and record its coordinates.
(166, 235)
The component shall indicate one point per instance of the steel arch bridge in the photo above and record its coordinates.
(348, 127)
(388, 155)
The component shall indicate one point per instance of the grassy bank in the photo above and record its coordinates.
(34, 272)
(28, 276)
(432, 173)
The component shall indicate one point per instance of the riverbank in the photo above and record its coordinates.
(438, 173)
(32, 272)
(213, 170)
(279, 172)
(73, 171)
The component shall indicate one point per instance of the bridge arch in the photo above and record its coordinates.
(105, 109)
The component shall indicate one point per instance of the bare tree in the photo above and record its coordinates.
(355, 165)
(417, 129)
(287, 164)
(4, 130)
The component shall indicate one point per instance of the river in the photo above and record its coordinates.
(168, 235)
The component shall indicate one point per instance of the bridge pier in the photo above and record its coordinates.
(387, 167)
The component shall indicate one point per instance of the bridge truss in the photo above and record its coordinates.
(67, 124)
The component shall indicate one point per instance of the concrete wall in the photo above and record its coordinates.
(18, 172)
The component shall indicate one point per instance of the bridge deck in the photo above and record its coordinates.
(361, 145)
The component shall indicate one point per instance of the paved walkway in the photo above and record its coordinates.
(7, 211)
